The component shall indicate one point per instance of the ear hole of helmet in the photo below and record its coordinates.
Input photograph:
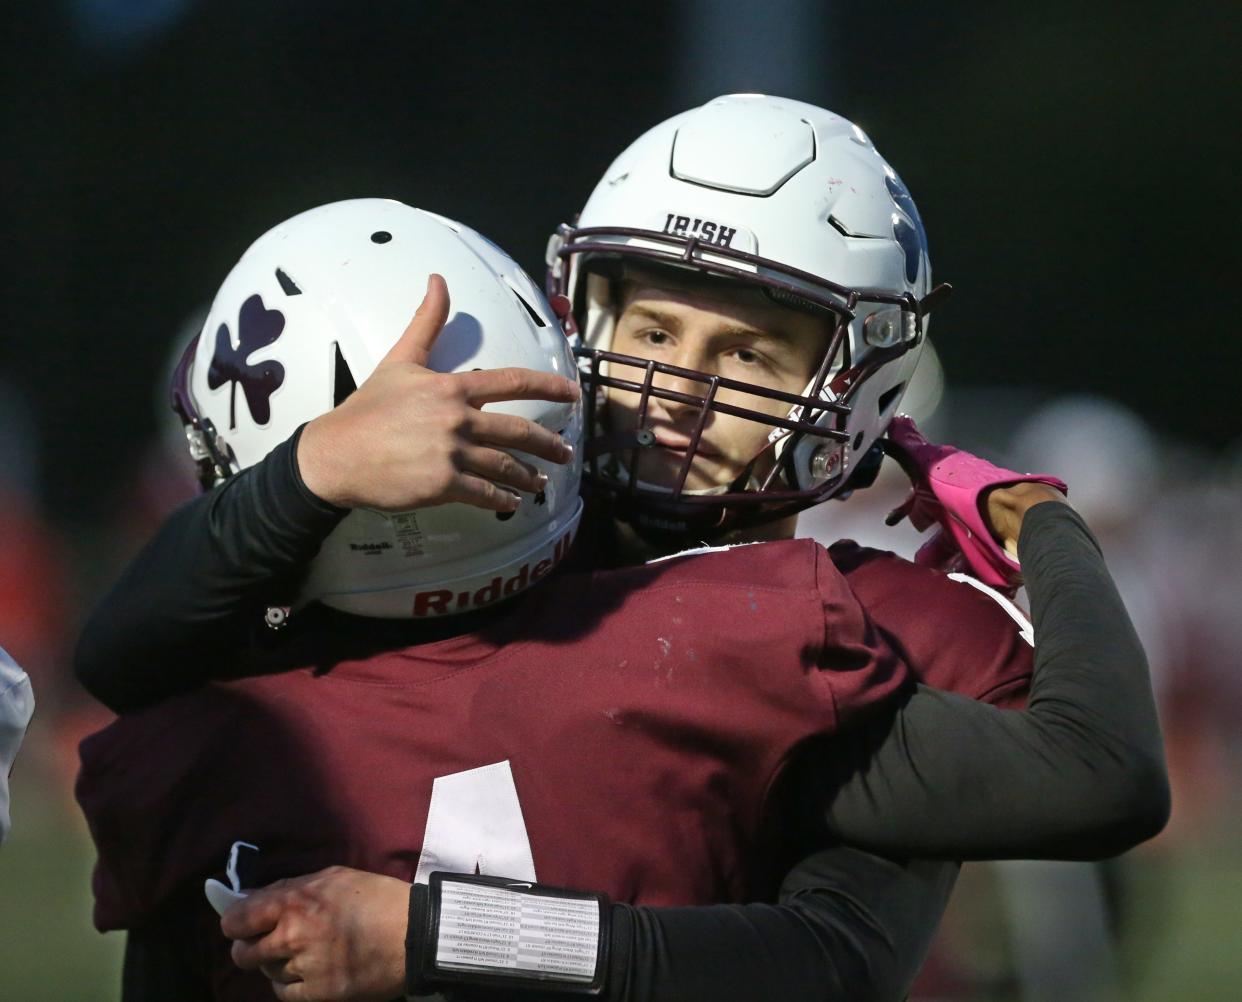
(889, 398)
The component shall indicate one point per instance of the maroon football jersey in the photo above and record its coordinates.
(954, 633)
(622, 733)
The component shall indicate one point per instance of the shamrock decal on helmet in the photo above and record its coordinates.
(907, 227)
(257, 327)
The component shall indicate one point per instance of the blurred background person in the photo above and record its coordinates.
(33, 575)
(16, 707)
(1069, 920)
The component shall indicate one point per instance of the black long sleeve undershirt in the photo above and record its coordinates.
(195, 595)
(1079, 774)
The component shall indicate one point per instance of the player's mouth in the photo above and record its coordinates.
(680, 444)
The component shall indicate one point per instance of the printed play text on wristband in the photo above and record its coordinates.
(502, 931)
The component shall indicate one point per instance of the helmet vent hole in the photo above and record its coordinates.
(380, 237)
(857, 443)
(889, 397)
(534, 315)
(839, 226)
(342, 379)
(845, 231)
(287, 284)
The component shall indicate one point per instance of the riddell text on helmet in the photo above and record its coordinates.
(440, 601)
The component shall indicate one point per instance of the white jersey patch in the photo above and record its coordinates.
(475, 825)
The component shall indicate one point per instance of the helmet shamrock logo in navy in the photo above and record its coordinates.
(257, 327)
(908, 227)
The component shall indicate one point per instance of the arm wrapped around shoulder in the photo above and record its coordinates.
(1091, 691)
(184, 609)
(1079, 774)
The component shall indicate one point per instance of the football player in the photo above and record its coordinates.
(287, 539)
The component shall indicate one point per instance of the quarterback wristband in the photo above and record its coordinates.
(493, 931)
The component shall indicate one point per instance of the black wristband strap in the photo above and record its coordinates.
(415, 937)
(493, 931)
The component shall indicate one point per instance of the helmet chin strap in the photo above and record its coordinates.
(672, 529)
(663, 534)
(667, 532)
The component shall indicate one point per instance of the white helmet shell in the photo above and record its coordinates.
(790, 197)
(305, 315)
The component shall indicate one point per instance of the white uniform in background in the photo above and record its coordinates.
(16, 706)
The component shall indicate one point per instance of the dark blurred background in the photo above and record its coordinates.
(1075, 165)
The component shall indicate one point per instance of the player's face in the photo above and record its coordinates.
(734, 333)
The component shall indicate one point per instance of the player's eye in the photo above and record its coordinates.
(656, 337)
(752, 360)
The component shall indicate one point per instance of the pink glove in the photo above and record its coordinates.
(948, 488)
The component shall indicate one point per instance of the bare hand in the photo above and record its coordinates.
(333, 935)
(409, 437)
(1007, 505)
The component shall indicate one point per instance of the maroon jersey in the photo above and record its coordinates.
(643, 715)
(954, 633)
(621, 734)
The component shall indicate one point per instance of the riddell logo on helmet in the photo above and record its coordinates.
(370, 549)
(716, 234)
(442, 600)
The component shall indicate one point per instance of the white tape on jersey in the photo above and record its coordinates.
(1026, 629)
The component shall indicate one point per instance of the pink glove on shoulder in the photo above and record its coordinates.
(949, 488)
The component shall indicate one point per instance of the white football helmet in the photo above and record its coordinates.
(770, 193)
(304, 317)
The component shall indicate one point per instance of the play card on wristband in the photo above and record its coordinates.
(489, 930)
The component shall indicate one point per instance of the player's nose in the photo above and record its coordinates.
(689, 378)
(685, 394)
